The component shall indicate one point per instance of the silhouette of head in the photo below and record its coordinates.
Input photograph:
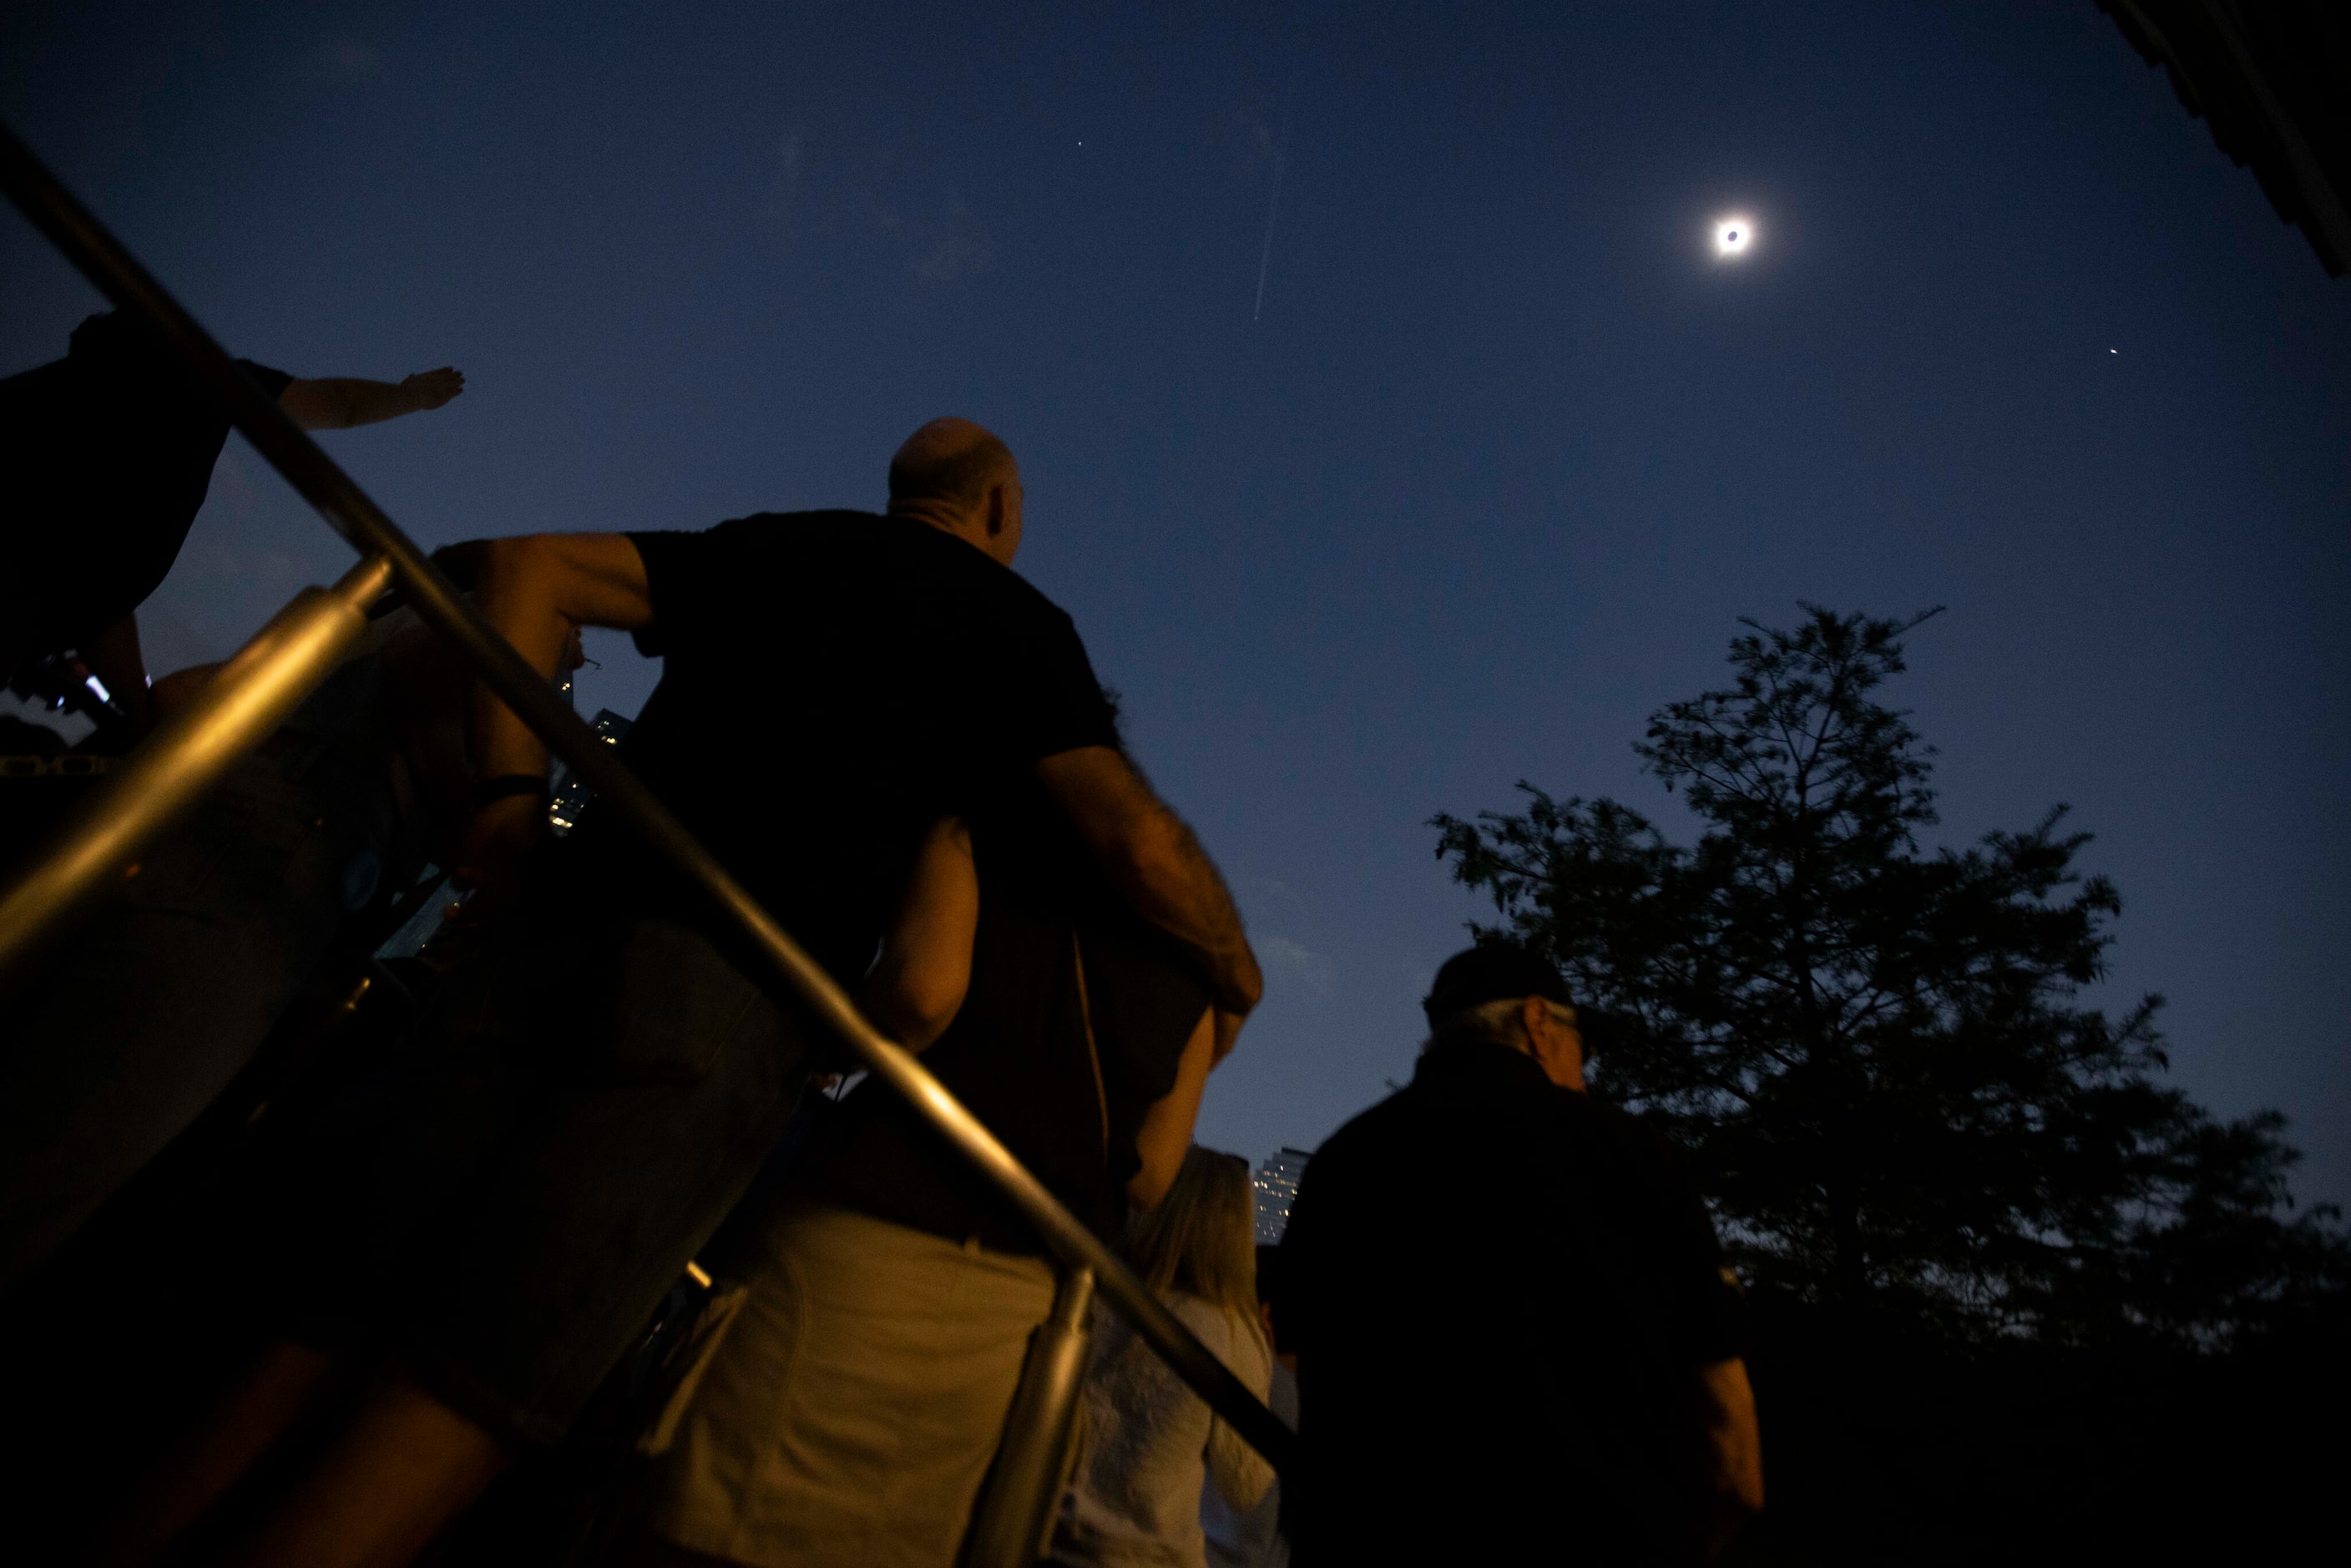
(1508, 996)
(959, 479)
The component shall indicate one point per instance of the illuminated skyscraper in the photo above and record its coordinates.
(1276, 1184)
(571, 794)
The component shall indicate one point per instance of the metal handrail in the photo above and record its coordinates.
(1014, 1517)
(164, 777)
(85, 242)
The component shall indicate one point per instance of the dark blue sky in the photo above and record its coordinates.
(1493, 475)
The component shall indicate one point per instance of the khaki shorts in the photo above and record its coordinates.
(850, 1409)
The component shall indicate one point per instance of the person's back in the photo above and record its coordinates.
(1500, 1295)
(1150, 1444)
(850, 670)
(109, 450)
(1251, 1537)
(1073, 1030)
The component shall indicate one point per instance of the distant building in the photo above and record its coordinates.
(1277, 1185)
(572, 793)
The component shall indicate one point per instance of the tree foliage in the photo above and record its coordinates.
(1879, 1054)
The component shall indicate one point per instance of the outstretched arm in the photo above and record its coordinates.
(339, 403)
(537, 592)
(1159, 869)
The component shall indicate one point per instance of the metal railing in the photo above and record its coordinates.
(269, 676)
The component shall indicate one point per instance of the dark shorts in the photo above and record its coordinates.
(591, 1095)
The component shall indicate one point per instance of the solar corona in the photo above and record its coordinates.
(1732, 237)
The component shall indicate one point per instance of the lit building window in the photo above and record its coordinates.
(1277, 1187)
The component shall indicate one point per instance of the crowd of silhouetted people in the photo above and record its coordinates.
(600, 1158)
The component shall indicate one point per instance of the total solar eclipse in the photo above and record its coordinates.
(1732, 237)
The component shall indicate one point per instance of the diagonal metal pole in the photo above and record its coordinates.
(246, 700)
(1012, 1521)
(75, 231)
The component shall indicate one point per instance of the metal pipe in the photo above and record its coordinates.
(101, 257)
(1017, 1507)
(189, 752)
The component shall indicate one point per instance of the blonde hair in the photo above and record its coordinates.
(1201, 1238)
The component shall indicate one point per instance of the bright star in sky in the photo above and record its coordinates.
(1732, 237)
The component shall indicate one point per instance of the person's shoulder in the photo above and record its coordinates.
(805, 536)
(112, 343)
(1636, 1133)
(786, 526)
(1004, 591)
(1641, 1145)
(1215, 1326)
(1017, 587)
(1201, 1315)
(987, 580)
(1370, 1134)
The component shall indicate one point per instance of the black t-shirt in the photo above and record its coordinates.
(1498, 1291)
(834, 682)
(1019, 1052)
(107, 454)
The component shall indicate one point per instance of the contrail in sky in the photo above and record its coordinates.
(1266, 260)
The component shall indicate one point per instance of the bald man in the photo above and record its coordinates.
(834, 682)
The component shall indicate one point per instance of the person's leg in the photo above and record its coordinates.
(233, 1436)
(656, 1112)
(598, 1106)
(405, 1467)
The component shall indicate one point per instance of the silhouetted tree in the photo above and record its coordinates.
(1878, 1053)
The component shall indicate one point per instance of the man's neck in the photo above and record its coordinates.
(1448, 1042)
(947, 519)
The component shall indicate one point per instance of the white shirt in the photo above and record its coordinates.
(1251, 1537)
(1151, 1445)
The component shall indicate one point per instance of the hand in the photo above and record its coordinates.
(430, 389)
(500, 835)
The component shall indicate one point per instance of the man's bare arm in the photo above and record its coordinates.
(536, 591)
(919, 980)
(339, 403)
(1157, 865)
(1166, 1130)
(1734, 1448)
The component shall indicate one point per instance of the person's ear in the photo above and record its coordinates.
(992, 510)
(1557, 1044)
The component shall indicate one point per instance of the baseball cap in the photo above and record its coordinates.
(1494, 971)
(1488, 973)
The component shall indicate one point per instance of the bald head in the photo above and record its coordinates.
(949, 460)
(958, 478)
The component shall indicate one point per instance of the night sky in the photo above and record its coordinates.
(1488, 474)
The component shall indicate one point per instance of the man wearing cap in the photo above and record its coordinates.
(1516, 1338)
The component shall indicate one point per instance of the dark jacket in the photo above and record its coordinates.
(1498, 1291)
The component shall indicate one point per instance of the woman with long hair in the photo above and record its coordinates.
(1149, 1442)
